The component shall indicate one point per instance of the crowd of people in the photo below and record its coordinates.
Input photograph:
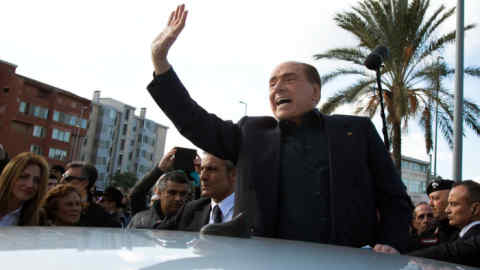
(300, 175)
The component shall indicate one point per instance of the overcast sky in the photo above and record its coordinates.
(225, 54)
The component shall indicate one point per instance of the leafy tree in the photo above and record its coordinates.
(411, 76)
(124, 180)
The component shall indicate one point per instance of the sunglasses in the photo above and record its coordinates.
(69, 178)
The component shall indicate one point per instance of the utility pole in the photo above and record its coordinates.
(458, 116)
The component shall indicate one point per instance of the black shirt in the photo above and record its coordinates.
(304, 181)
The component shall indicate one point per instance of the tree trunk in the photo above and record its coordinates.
(397, 147)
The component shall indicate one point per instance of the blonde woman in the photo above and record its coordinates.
(23, 184)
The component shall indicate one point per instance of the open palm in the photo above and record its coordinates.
(162, 43)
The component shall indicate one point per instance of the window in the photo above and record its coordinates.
(127, 114)
(130, 156)
(39, 131)
(35, 149)
(40, 112)
(73, 120)
(120, 158)
(101, 161)
(83, 123)
(23, 108)
(124, 130)
(112, 114)
(57, 154)
(61, 135)
(56, 116)
(122, 145)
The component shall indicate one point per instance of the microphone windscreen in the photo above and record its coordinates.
(375, 58)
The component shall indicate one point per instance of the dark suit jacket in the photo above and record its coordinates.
(362, 176)
(139, 193)
(191, 217)
(464, 250)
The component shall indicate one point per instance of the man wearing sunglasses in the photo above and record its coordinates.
(83, 176)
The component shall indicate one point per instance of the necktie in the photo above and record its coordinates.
(217, 214)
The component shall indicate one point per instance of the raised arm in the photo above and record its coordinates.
(166, 38)
(138, 195)
(205, 130)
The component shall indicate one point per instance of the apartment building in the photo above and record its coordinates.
(120, 141)
(415, 176)
(40, 118)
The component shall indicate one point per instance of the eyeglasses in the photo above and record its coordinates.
(69, 178)
(424, 216)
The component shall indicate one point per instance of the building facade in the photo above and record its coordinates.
(415, 176)
(118, 141)
(40, 118)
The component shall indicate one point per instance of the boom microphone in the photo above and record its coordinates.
(375, 59)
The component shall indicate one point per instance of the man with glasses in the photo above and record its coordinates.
(83, 176)
(422, 233)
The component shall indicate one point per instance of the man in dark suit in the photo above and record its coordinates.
(301, 175)
(217, 181)
(463, 212)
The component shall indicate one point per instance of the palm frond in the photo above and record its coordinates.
(345, 96)
(352, 55)
(342, 71)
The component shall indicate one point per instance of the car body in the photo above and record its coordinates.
(104, 248)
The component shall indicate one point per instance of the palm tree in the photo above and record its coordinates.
(410, 76)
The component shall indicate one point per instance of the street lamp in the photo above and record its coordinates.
(245, 104)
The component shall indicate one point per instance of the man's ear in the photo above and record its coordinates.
(317, 93)
(476, 209)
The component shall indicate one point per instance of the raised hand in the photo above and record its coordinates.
(162, 43)
(166, 164)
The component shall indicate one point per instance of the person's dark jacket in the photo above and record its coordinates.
(464, 250)
(4, 161)
(420, 241)
(139, 193)
(147, 218)
(362, 175)
(191, 217)
(446, 232)
(95, 216)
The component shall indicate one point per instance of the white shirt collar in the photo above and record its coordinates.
(226, 206)
(11, 218)
(468, 227)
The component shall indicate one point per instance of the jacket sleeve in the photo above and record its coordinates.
(207, 131)
(392, 201)
(461, 251)
(138, 195)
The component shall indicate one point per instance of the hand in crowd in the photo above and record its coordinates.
(166, 164)
(166, 38)
(385, 249)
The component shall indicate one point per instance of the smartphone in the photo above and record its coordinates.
(184, 159)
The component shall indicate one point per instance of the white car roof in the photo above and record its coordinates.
(84, 248)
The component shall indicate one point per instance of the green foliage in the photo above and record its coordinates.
(413, 74)
(124, 180)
